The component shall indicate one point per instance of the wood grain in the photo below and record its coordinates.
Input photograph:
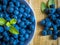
(39, 39)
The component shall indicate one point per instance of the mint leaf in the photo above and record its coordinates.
(50, 2)
(13, 21)
(13, 30)
(2, 21)
(43, 6)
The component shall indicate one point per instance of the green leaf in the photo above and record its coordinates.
(13, 21)
(43, 6)
(8, 24)
(50, 2)
(2, 21)
(13, 30)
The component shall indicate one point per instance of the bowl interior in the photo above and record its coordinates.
(32, 34)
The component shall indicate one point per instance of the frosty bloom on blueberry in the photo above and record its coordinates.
(17, 22)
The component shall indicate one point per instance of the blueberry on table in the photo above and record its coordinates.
(49, 32)
(55, 37)
(52, 10)
(42, 22)
(44, 33)
(52, 6)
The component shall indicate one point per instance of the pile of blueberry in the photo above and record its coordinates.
(52, 22)
(25, 22)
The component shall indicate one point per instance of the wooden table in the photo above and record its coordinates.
(38, 39)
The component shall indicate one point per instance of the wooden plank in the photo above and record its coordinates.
(38, 39)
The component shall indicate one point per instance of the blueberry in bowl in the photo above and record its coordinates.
(17, 22)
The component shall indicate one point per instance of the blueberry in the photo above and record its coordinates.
(10, 9)
(52, 6)
(52, 10)
(23, 19)
(1, 29)
(47, 10)
(21, 10)
(22, 31)
(17, 3)
(16, 12)
(5, 2)
(18, 21)
(54, 27)
(28, 31)
(5, 33)
(15, 36)
(17, 27)
(49, 32)
(25, 15)
(58, 10)
(20, 16)
(4, 7)
(28, 15)
(14, 16)
(32, 27)
(6, 38)
(22, 5)
(53, 17)
(15, 42)
(20, 36)
(6, 28)
(55, 37)
(28, 10)
(1, 15)
(21, 24)
(11, 4)
(42, 22)
(21, 43)
(26, 36)
(22, 39)
(27, 22)
(3, 43)
(32, 19)
(44, 33)
(16, 8)
(14, 1)
(0, 7)
(48, 24)
(1, 36)
(58, 22)
(55, 32)
(46, 28)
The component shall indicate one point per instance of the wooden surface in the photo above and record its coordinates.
(38, 39)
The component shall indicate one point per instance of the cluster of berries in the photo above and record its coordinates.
(25, 22)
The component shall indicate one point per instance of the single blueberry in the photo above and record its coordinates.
(42, 22)
(16, 8)
(22, 5)
(28, 31)
(54, 27)
(14, 16)
(24, 19)
(25, 15)
(58, 10)
(52, 10)
(46, 28)
(5, 2)
(32, 27)
(1, 29)
(21, 10)
(21, 43)
(55, 32)
(22, 31)
(44, 33)
(18, 21)
(10, 9)
(6, 28)
(26, 36)
(1, 15)
(17, 3)
(22, 39)
(28, 15)
(16, 12)
(15, 36)
(11, 4)
(4, 7)
(28, 10)
(0, 7)
(21, 24)
(55, 37)
(49, 32)
(27, 22)
(52, 6)
(14, 1)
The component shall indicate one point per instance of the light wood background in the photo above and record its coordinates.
(38, 39)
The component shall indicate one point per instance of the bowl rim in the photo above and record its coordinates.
(35, 22)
